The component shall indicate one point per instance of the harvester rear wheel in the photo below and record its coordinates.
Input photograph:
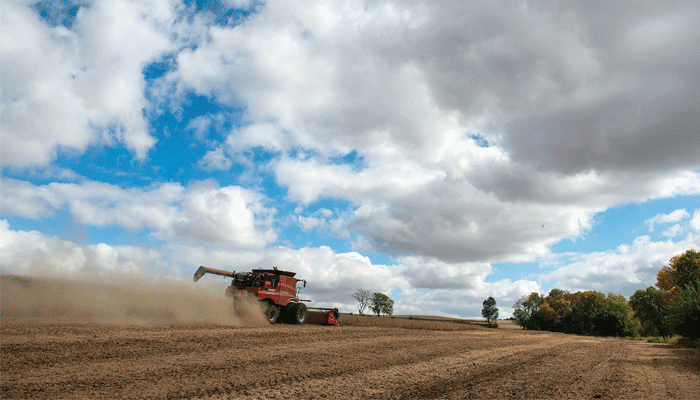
(296, 313)
(273, 312)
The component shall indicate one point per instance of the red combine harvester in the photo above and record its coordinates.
(278, 290)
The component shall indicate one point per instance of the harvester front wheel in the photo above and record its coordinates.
(296, 313)
(273, 312)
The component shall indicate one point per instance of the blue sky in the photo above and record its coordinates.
(442, 153)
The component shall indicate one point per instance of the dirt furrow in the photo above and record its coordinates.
(45, 360)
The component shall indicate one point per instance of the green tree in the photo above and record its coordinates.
(615, 317)
(648, 306)
(525, 307)
(584, 315)
(555, 293)
(490, 312)
(680, 281)
(382, 304)
(685, 311)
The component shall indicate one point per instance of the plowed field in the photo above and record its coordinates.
(45, 359)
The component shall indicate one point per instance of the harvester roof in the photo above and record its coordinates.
(275, 271)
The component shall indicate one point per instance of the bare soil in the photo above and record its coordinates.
(44, 358)
(67, 339)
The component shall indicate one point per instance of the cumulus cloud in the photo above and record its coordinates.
(623, 270)
(33, 253)
(201, 212)
(404, 74)
(215, 160)
(695, 222)
(564, 132)
(673, 231)
(310, 223)
(435, 274)
(67, 88)
(671, 217)
(229, 215)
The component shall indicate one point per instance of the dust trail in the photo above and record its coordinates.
(123, 301)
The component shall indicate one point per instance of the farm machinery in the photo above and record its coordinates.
(279, 293)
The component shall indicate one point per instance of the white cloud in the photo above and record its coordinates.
(310, 223)
(215, 160)
(403, 75)
(671, 217)
(674, 231)
(33, 253)
(65, 89)
(695, 222)
(203, 211)
(229, 215)
(429, 273)
(23, 199)
(623, 270)
(263, 134)
(203, 124)
(405, 86)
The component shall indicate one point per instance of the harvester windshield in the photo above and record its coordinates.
(250, 279)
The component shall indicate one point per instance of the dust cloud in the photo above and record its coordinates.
(123, 301)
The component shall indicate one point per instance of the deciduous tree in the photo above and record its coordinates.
(685, 311)
(490, 312)
(525, 307)
(382, 304)
(648, 306)
(681, 270)
(680, 282)
(364, 298)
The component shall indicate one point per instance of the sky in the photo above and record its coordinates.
(440, 152)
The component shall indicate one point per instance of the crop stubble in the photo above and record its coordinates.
(48, 359)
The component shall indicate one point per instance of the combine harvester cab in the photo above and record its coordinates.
(278, 290)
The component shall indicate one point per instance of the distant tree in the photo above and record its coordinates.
(581, 312)
(648, 306)
(680, 282)
(382, 304)
(615, 317)
(555, 293)
(685, 311)
(681, 270)
(364, 298)
(490, 312)
(525, 307)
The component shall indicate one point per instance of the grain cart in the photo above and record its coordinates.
(278, 291)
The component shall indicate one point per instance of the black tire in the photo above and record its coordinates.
(273, 312)
(296, 313)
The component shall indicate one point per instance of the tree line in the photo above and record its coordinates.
(672, 307)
